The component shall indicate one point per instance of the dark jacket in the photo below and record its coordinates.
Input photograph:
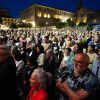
(8, 89)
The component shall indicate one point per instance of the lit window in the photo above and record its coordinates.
(33, 23)
(39, 14)
(95, 20)
(48, 15)
(45, 15)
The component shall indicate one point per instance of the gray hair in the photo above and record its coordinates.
(5, 49)
(50, 51)
(43, 77)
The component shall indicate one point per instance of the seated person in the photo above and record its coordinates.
(78, 83)
(38, 81)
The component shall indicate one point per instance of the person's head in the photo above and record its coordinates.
(32, 47)
(91, 48)
(69, 38)
(23, 37)
(4, 53)
(38, 42)
(96, 39)
(16, 55)
(68, 51)
(90, 34)
(29, 61)
(56, 42)
(13, 42)
(39, 78)
(78, 48)
(69, 44)
(31, 38)
(79, 40)
(92, 39)
(23, 45)
(81, 63)
(46, 39)
(49, 53)
(5, 40)
(40, 49)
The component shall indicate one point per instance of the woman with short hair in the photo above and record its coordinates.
(38, 81)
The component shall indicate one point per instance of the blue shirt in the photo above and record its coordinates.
(88, 81)
(70, 60)
(95, 68)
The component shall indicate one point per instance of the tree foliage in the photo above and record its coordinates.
(82, 24)
(60, 25)
(20, 25)
(89, 27)
(24, 25)
(1, 20)
(41, 24)
(13, 25)
(69, 22)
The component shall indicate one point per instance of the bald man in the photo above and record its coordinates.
(78, 83)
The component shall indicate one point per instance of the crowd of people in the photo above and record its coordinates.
(49, 64)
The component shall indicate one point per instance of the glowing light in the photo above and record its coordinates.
(45, 15)
(33, 23)
(24, 21)
(48, 15)
(95, 20)
(39, 14)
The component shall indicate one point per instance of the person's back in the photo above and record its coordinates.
(8, 88)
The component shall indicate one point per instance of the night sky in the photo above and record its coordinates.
(16, 6)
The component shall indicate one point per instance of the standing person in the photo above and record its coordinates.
(51, 65)
(61, 48)
(29, 68)
(23, 51)
(20, 73)
(8, 89)
(56, 48)
(41, 56)
(33, 55)
(79, 83)
(38, 81)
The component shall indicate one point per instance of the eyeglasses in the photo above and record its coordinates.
(79, 62)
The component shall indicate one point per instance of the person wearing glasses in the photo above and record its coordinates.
(78, 83)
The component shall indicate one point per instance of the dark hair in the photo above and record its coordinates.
(69, 49)
(80, 48)
(24, 44)
(41, 49)
(17, 54)
(14, 41)
(39, 42)
(93, 47)
(5, 39)
(47, 37)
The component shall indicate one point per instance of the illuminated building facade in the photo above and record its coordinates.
(87, 16)
(38, 14)
(6, 19)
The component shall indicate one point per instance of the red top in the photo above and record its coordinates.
(40, 95)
